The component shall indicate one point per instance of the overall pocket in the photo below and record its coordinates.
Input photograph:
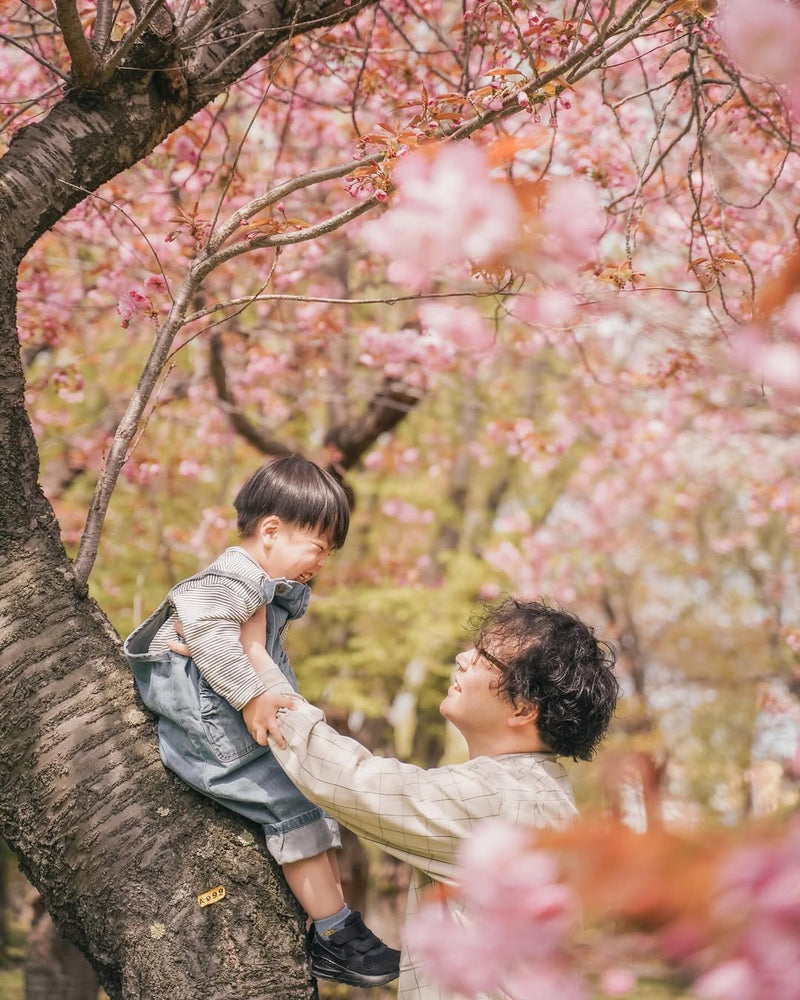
(224, 727)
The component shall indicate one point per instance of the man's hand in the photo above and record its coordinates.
(260, 717)
(260, 713)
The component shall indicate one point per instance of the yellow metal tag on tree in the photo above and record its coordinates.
(212, 896)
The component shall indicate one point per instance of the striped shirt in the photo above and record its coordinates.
(419, 815)
(213, 605)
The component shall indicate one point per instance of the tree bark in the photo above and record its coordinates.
(118, 848)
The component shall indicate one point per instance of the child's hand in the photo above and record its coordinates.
(178, 645)
(260, 717)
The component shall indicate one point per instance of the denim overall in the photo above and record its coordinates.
(204, 740)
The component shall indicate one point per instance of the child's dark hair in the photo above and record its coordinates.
(299, 492)
(550, 658)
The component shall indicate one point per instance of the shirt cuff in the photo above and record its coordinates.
(273, 681)
(246, 692)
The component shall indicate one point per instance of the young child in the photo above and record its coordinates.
(213, 710)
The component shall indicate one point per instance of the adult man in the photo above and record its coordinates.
(536, 685)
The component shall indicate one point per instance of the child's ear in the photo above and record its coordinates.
(268, 530)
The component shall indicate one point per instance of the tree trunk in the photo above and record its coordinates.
(118, 848)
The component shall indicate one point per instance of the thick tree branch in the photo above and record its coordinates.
(349, 441)
(103, 22)
(240, 422)
(387, 408)
(164, 29)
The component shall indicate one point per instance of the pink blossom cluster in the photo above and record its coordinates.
(573, 222)
(774, 354)
(510, 927)
(462, 328)
(396, 351)
(760, 890)
(447, 332)
(133, 303)
(764, 39)
(448, 209)
(407, 513)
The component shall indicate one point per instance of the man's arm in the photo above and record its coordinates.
(416, 814)
(420, 815)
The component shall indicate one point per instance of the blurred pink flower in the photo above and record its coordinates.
(394, 351)
(777, 362)
(617, 982)
(184, 150)
(573, 220)
(764, 38)
(733, 980)
(553, 307)
(457, 955)
(447, 210)
(517, 915)
(543, 981)
(462, 327)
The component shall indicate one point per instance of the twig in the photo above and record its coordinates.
(42, 62)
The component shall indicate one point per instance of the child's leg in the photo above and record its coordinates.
(315, 885)
(334, 863)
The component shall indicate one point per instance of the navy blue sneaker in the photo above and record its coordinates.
(352, 955)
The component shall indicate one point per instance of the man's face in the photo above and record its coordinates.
(297, 553)
(472, 703)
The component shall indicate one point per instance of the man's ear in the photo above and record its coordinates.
(268, 529)
(525, 715)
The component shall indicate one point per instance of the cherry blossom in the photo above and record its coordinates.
(764, 38)
(514, 916)
(132, 303)
(447, 208)
(462, 327)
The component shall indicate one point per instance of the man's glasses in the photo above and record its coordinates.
(492, 659)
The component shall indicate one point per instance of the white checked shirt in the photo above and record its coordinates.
(419, 815)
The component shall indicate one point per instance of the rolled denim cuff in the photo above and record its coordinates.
(303, 841)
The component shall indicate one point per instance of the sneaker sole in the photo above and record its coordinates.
(337, 975)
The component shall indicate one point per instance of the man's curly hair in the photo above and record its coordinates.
(553, 660)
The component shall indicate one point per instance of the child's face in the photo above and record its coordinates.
(293, 552)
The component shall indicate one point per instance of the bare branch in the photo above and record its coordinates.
(131, 37)
(207, 263)
(84, 63)
(34, 55)
(126, 429)
(283, 191)
(387, 300)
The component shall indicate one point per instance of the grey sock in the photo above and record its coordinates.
(329, 925)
